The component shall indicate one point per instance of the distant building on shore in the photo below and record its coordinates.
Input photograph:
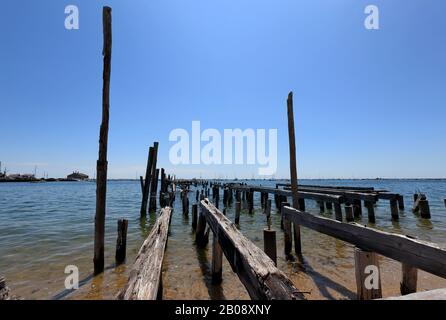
(76, 175)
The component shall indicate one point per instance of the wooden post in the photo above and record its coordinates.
(201, 239)
(302, 204)
(238, 207)
(141, 181)
(409, 279)
(251, 201)
(194, 216)
(153, 179)
(197, 195)
(145, 194)
(269, 243)
(357, 208)
(121, 242)
(268, 212)
(287, 232)
(185, 200)
(394, 209)
(425, 212)
(101, 165)
(293, 171)
(338, 211)
(366, 264)
(370, 211)
(444, 202)
(217, 260)
(400, 202)
(349, 213)
(329, 205)
(321, 206)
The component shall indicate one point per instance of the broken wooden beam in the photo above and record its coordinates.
(255, 269)
(416, 253)
(145, 275)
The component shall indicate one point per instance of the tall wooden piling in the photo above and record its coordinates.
(145, 194)
(121, 242)
(367, 289)
(288, 240)
(101, 165)
(293, 169)
(201, 238)
(154, 179)
(400, 199)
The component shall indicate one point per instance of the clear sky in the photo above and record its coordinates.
(367, 103)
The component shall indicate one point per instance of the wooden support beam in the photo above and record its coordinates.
(338, 211)
(121, 242)
(370, 211)
(238, 208)
(400, 200)
(394, 209)
(269, 244)
(217, 260)
(425, 212)
(416, 253)
(368, 277)
(349, 213)
(145, 275)
(256, 271)
(357, 208)
(194, 216)
(101, 164)
(409, 279)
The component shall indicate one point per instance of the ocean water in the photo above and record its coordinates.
(48, 226)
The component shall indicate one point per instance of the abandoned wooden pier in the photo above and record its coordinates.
(257, 269)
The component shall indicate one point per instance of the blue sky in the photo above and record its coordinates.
(368, 103)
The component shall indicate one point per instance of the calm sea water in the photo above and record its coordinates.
(47, 226)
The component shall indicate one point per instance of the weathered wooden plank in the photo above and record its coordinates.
(301, 194)
(416, 253)
(144, 278)
(437, 294)
(254, 268)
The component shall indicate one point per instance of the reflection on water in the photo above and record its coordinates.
(48, 226)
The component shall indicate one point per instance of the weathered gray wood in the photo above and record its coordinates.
(254, 268)
(121, 242)
(419, 254)
(145, 275)
(101, 164)
(357, 208)
(409, 279)
(366, 288)
(437, 294)
(400, 199)
(153, 179)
